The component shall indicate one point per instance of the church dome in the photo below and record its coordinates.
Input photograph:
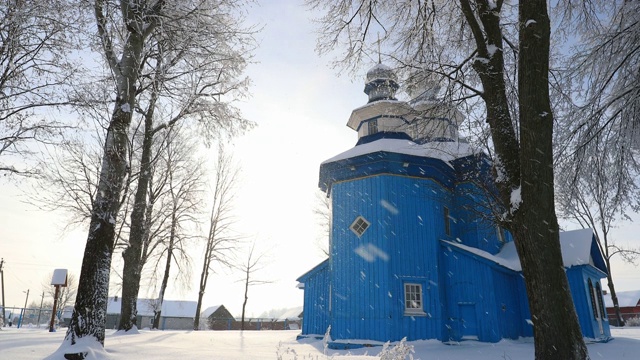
(381, 72)
(381, 83)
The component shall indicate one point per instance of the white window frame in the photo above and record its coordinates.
(413, 305)
(357, 226)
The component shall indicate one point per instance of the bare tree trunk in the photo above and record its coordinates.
(614, 296)
(167, 268)
(90, 310)
(203, 280)
(246, 297)
(133, 253)
(557, 333)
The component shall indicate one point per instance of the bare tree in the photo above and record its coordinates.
(495, 56)
(184, 178)
(124, 31)
(598, 139)
(196, 62)
(136, 20)
(322, 211)
(35, 73)
(596, 194)
(252, 264)
(221, 240)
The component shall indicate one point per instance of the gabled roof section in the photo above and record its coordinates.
(179, 308)
(145, 307)
(579, 247)
(316, 269)
(446, 151)
(625, 298)
(292, 314)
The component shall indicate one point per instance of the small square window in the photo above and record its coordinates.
(359, 226)
(413, 298)
(372, 127)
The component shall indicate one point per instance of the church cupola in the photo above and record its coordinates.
(382, 83)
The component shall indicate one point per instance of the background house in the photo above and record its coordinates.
(629, 302)
(217, 318)
(176, 314)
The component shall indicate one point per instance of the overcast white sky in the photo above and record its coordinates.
(301, 107)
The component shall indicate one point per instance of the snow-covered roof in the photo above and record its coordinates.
(445, 150)
(145, 307)
(291, 314)
(575, 245)
(625, 298)
(210, 310)
(59, 277)
(179, 308)
(508, 259)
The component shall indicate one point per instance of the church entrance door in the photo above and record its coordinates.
(468, 320)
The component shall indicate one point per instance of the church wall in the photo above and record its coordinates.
(368, 273)
(316, 303)
(511, 320)
(482, 299)
(578, 277)
(475, 227)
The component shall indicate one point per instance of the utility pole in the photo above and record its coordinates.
(40, 311)
(4, 321)
(24, 311)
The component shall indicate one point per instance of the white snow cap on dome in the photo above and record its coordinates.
(381, 72)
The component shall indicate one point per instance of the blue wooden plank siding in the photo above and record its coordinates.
(369, 272)
(316, 300)
(592, 326)
(428, 264)
(473, 219)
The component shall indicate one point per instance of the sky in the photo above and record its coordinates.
(301, 106)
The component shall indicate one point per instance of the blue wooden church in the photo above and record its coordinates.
(411, 252)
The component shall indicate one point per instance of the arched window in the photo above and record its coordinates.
(600, 304)
(593, 300)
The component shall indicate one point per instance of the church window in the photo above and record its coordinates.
(359, 226)
(593, 299)
(447, 221)
(413, 298)
(600, 304)
(372, 127)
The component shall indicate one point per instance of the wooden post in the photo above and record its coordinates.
(59, 279)
(53, 312)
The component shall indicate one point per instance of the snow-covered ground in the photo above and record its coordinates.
(256, 345)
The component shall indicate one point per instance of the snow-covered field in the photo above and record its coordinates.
(256, 345)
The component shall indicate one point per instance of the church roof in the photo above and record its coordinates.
(445, 150)
(578, 248)
(381, 72)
